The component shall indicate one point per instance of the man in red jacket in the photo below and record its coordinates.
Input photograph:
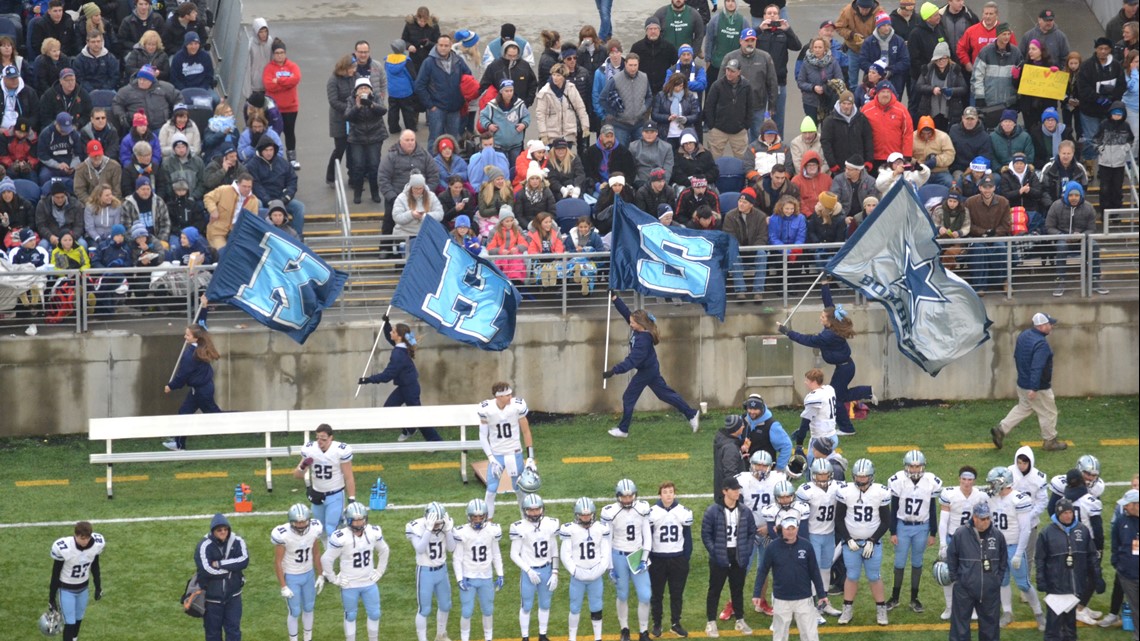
(891, 127)
(977, 36)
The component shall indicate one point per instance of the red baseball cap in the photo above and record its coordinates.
(94, 148)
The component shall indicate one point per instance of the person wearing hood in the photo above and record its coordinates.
(95, 66)
(366, 133)
(940, 90)
(221, 557)
(401, 88)
(808, 140)
(1030, 480)
(191, 67)
(846, 132)
(415, 203)
(147, 52)
(183, 165)
(421, 32)
(274, 179)
(487, 157)
(767, 151)
(890, 124)
(1071, 215)
(507, 33)
(855, 25)
(20, 100)
(437, 86)
(60, 150)
(994, 84)
(66, 96)
(510, 66)
(113, 252)
(223, 169)
(934, 150)
(279, 218)
(816, 77)
(260, 53)
(1068, 565)
(190, 242)
(141, 20)
(144, 93)
(1021, 187)
(812, 179)
(95, 170)
(281, 78)
(559, 111)
(1114, 143)
(224, 204)
(885, 47)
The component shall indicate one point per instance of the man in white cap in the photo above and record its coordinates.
(1034, 360)
(794, 574)
(1125, 533)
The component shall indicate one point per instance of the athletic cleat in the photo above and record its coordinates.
(835, 589)
(764, 608)
(403, 437)
(1096, 614)
(727, 612)
(820, 620)
(617, 433)
(442, 636)
(711, 631)
(624, 634)
(171, 445)
(742, 627)
(892, 604)
(830, 611)
(1110, 620)
(874, 399)
(917, 607)
(656, 630)
(643, 636)
(847, 615)
(543, 637)
(1040, 616)
(695, 422)
(845, 432)
(679, 630)
(881, 615)
(945, 616)
(1085, 616)
(1006, 619)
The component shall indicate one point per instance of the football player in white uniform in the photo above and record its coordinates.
(862, 517)
(914, 502)
(476, 556)
(534, 549)
(1032, 481)
(672, 526)
(431, 538)
(75, 561)
(362, 553)
(819, 494)
(818, 416)
(296, 546)
(756, 493)
(503, 431)
(586, 556)
(957, 503)
(628, 522)
(1012, 511)
(1089, 467)
(329, 466)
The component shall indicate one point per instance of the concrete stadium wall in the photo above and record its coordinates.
(53, 385)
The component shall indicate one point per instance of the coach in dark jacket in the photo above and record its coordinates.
(978, 560)
(729, 106)
(1067, 564)
(1125, 531)
(221, 557)
(728, 555)
(727, 461)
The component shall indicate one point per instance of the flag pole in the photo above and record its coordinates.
(804, 297)
(606, 364)
(183, 350)
(372, 353)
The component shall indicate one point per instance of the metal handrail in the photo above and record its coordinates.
(344, 216)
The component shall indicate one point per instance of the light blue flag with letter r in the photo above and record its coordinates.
(464, 297)
(893, 258)
(275, 279)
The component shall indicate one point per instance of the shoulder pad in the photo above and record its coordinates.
(342, 446)
(552, 521)
(564, 530)
(937, 480)
(375, 529)
(894, 477)
(316, 524)
(337, 539)
(1040, 474)
(607, 513)
(98, 538)
(496, 530)
(309, 444)
(641, 507)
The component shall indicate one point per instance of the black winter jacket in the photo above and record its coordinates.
(1054, 544)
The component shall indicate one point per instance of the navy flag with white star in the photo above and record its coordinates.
(893, 258)
(464, 297)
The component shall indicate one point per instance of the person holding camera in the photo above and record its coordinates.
(366, 134)
(329, 464)
(775, 35)
(978, 560)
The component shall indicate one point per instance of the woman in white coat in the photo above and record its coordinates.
(558, 109)
(412, 205)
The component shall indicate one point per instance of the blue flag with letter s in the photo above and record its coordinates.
(893, 258)
(462, 296)
(674, 262)
(278, 281)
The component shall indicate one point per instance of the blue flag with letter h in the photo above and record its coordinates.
(278, 281)
(674, 262)
(464, 297)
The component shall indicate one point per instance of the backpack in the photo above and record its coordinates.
(61, 304)
(194, 598)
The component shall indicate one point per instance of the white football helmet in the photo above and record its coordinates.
(529, 481)
(1089, 467)
(796, 466)
(761, 464)
(477, 513)
(941, 573)
(626, 489)
(822, 473)
(533, 508)
(584, 511)
(356, 511)
(863, 469)
(51, 623)
(437, 513)
(785, 493)
(300, 513)
(914, 463)
(998, 479)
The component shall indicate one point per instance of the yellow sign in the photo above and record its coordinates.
(1043, 83)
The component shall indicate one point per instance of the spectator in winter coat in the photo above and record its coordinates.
(852, 187)
(890, 124)
(415, 203)
(775, 36)
(59, 149)
(20, 100)
(749, 226)
(507, 117)
(696, 196)
(100, 128)
(145, 93)
(978, 36)
(396, 169)
(182, 20)
(193, 68)
(808, 140)
(95, 66)
(970, 140)
(729, 111)
(147, 52)
(147, 208)
(1009, 138)
(437, 86)
(1100, 82)
(722, 36)
(558, 109)
(956, 18)
(448, 161)
(18, 147)
(811, 180)
(28, 252)
(993, 81)
(705, 219)
(567, 175)
(511, 67)
(676, 108)
(1115, 144)
(97, 169)
(896, 169)
(186, 211)
(55, 24)
(179, 124)
(649, 153)
(48, 65)
(940, 89)
(655, 53)
(607, 156)
(935, 150)
(627, 101)
(141, 20)
(457, 200)
(815, 77)
(1053, 40)
(952, 220)
(225, 203)
(485, 158)
(507, 33)
(772, 188)
(1061, 169)
(260, 53)
(583, 80)
(274, 179)
(421, 32)
(282, 77)
(56, 213)
(66, 96)
(768, 151)
(655, 192)
(1068, 563)
(1048, 137)
(545, 239)
(533, 197)
(182, 165)
(787, 226)
(989, 217)
(364, 115)
(681, 24)
(140, 131)
(921, 42)
(826, 224)
(223, 169)
(692, 159)
(889, 50)
(142, 164)
(845, 132)
(190, 241)
(759, 70)
(696, 80)
(855, 24)
(1020, 186)
(102, 211)
(1069, 215)
(401, 88)
(727, 461)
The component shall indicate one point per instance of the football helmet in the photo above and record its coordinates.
(941, 573)
(626, 489)
(529, 481)
(356, 511)
(584, 511)
(1089, 467)
(477, 513)
(822, 472)
(864, 469)
(533, 508)
(761, 464)
(914, 464)
(437, 513)
(785, 493)
(300, 513)
(796, 466)
(51, 623)
(998, 479)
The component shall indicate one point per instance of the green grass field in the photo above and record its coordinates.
(148, 560)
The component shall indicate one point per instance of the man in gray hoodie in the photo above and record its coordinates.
(650, 152)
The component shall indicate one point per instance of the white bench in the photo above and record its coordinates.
(291, 423)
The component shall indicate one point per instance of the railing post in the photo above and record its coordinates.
(565, 286)
(1086, 287)
(1008, 269)
(81, 305)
